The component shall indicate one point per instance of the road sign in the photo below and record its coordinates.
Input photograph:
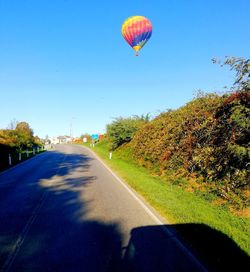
(95, 136)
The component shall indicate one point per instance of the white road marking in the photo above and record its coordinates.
(150, 213)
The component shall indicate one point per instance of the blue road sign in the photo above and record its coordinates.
(95, 136)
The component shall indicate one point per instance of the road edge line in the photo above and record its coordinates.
(154, 217)
(127, 187)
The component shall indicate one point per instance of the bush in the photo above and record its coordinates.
(209, 136)
(122, 130)
(15, 139)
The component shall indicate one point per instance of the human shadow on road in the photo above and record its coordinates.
(152, 248)
(44, 226)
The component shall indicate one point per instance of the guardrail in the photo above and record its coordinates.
(8, 160)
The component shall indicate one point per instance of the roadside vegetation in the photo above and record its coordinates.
(17, 138)
(192, 164)
(203, 146)
(177, 205)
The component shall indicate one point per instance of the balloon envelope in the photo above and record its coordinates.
(137, 30)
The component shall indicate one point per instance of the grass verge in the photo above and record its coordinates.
(205, 222)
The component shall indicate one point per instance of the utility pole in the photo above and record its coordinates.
(70, 133)
(71, 129)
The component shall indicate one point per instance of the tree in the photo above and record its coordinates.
(122, 130)
(242, 68)
(24, 135)
(12, 125)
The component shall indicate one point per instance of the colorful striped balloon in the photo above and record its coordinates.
(137, 30)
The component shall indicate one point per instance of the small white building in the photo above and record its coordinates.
(65, 139)
(61, 139)
(54, 140)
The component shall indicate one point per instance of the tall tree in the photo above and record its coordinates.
(24, 135)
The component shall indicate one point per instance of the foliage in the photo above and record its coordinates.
(207, 140)
(230, 146)
(122, 130)
(85, 135)
(177, 205)
(209, 137)
(17, 137)
(24, 136)
(241, 67)
(169, 139)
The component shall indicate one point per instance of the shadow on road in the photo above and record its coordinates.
(151, 249)
(43, 225)
(63, 238)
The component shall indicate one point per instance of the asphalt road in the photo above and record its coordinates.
(64, 211)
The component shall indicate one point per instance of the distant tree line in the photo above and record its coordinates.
(16, 138)
(207, 141)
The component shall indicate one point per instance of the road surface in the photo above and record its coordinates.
(64, 211)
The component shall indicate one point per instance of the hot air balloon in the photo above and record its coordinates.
(137, 30)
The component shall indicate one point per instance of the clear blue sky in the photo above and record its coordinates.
(66, 60)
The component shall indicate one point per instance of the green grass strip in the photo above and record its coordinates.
(175, 204)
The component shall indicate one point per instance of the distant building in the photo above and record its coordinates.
(64, 139)
(54, 140)
(61, 139)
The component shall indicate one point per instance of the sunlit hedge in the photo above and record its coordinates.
(208, 137)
